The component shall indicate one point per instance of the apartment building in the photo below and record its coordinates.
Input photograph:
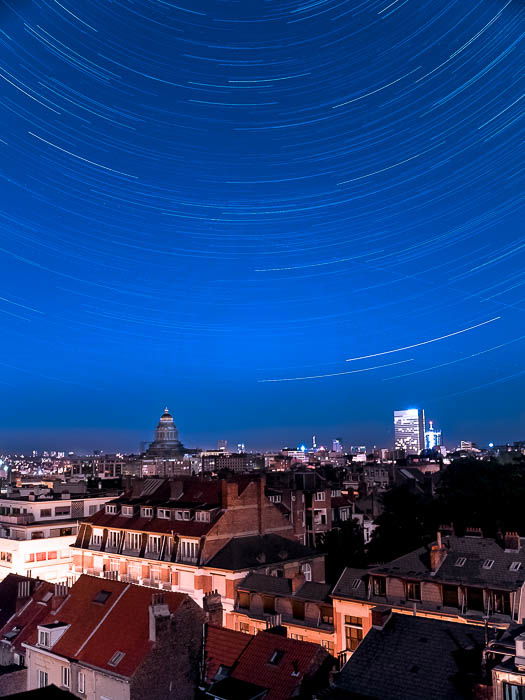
(113, 640)
(193, 536)
(471, 579)
(37, 528)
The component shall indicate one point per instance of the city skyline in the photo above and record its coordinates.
(278, 219)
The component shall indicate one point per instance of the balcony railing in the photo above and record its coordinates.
(22, 519)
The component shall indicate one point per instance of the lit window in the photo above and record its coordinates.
(413, 590)
(51, 555)
(353, 632)
(127, 511)
(306, 570)
(319, 496)
(276, 657)
(110, 509)
(134, 540)
(163, 513)
(113, 538)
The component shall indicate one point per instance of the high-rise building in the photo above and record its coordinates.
(409, 430)
(337, 445)
(432, 437)
(222, 445)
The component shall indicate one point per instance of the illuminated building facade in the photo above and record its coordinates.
(409, 430)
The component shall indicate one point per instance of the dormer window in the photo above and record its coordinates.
(164, 513)
(116, 658)
(319, 496)
(96, 536)
(127, 511)
(44, 638)
(276, 657)
(111, 509)
(147, 512)
(202, 516)
(182, 514)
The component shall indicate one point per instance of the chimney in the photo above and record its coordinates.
(60, 592)
(447, 530)
(438, 552)
(212, 606)
(473, 532)
(22, 594)
(297, 581)
(381, 614)
(229, 492)
(512, 541)
(159, 615)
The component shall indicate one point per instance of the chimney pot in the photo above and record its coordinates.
(381, 614)
(512, 541)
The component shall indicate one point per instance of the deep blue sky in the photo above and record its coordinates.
(197, 196)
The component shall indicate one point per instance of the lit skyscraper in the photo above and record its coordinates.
(409, 430)
(432, 436)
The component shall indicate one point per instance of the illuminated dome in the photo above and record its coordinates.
(166, 416)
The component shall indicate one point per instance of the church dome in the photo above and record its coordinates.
(166, 416)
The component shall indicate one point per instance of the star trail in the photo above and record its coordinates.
(204, 202)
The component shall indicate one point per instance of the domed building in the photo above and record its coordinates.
(166, 442)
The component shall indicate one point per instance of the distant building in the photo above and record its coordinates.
(222, 445)
(432, 437)
(409, 430)
(337, 445)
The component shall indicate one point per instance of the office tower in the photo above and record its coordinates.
(432, 437)
(222, 445)
(337, 445)
(409, 430)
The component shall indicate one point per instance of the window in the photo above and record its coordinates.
(276, 657)
(81, 682)
(147, 512)
(515, 566)
(203, 516)
(299, 637)
(113, 538)
(450, 596)
(379, 585)
(42, 679)
(154, 544)
(306, 570)
(513, 692)
(275, 499)
(63, 510)
(343, 513)
(51, 555)
(319, 496)
(101, 597)
(353, 632)
(244, 627)
(460, 561)
(29, 557)
(163, 513)
(92, 510)
(45, 512)
(116, 658)
(127, 511)
(188, 550)
(111, 509)
(44, 639)
(475, 599)
(134, 540)
(335, 493)
(327, 615)
(244, 600)
(66, 676)
(500, 602)
(413, 590)
(96, 537)
(329, 646)
(5, 556)
(182, 514)
(40, 556)
(488, 563)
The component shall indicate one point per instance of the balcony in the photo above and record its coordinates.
(22, 519)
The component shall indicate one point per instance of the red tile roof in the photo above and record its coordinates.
(30, 614)
(97, 630)
(250, 659)
(223, 648)
(191, 528)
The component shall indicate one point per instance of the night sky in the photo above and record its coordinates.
(198, 197)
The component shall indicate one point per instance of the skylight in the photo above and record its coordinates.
(515, 566)
(488, 563)
(460, 561)
(101, 596)
(116, 658)
(276, 657)
(356, 583)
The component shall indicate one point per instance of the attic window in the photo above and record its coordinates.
(101, 596)
(488, 563)
(515, 566)
(460, 561)
(356, 583)
(276, 657)
(111, 509)
(116, 658)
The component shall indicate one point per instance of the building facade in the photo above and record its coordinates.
(409, 430)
